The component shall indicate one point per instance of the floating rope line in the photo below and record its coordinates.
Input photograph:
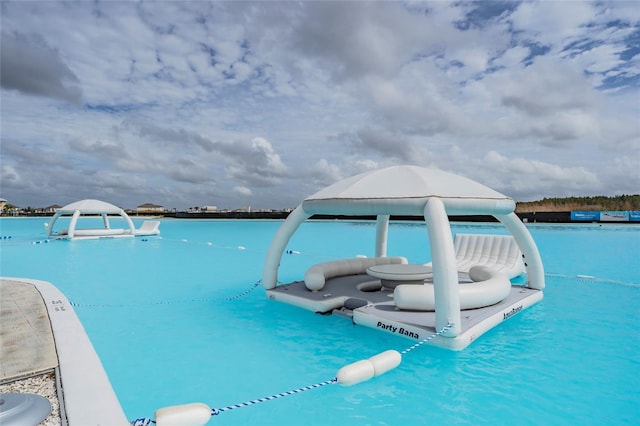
(240, 247)
(216, 411)
(384, 360)
(170, 302)
(209, 244)
(348, 375)
(12, 241)
(423, 341)
(40, 241)
(243, 248)
(582, 278)
(145, 421)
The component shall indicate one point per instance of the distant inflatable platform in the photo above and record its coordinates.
(81, 211)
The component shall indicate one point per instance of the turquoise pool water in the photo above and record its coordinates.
(166, 318)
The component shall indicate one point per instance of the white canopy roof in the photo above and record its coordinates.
(405, 190)
(411, 191)
(90, 206)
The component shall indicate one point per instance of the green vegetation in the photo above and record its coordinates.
(596, 203)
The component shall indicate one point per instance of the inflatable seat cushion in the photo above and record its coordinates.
(316, 276)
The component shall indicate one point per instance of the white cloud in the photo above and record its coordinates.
(551, 21)
(513, 57)
(236, 103)
(243, 190)
(30, 66)
(550, 86)
(527, 179)
(354, 39)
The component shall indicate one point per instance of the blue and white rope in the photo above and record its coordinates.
(426, 340)
(169, 302)
(145, 421)
(216, 411)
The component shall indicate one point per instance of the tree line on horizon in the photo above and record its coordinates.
(594, 203)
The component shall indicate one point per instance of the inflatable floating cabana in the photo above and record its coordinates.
(467, 287)
(81, 211)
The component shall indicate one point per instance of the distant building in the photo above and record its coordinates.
(3, 203)
(209, 209)
(50, 209)
(149, 208)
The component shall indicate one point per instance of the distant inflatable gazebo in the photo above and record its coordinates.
(469, 273)
(81, 210)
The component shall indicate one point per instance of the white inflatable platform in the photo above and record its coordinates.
(465, 289)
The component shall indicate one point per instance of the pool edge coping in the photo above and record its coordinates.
(87, 396)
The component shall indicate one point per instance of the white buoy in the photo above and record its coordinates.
(357, 372)
(195, 414)
(365, 369)
(242, 248)
(385, 361)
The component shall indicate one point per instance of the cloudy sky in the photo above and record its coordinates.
(193, 103)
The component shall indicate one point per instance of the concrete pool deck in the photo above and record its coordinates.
(41, 339)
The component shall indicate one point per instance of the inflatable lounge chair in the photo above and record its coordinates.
(498, 252)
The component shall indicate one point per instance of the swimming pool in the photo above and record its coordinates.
(174, 322)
